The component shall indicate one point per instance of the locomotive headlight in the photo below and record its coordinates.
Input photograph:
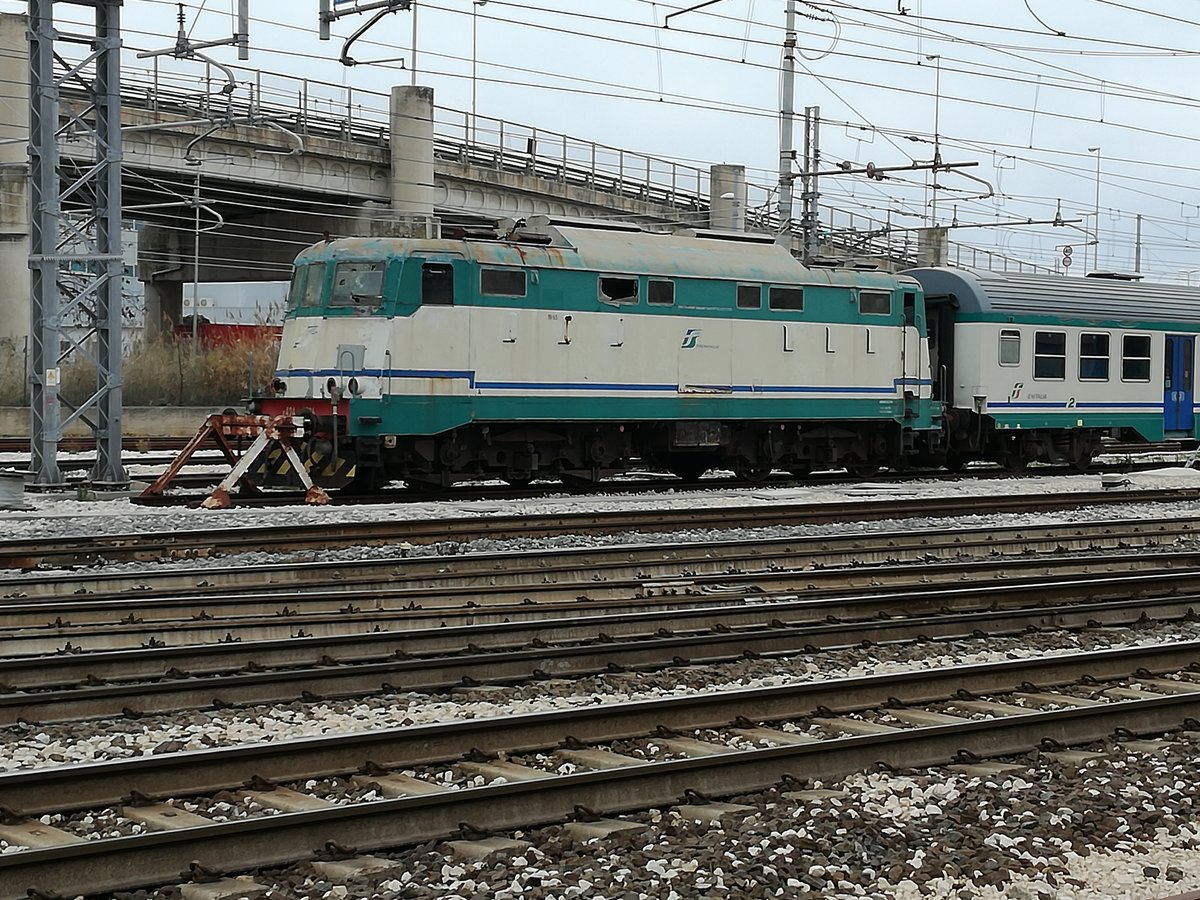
(279, 386)
(330, 386)
(354, 387)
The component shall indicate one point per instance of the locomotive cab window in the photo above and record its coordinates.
(875, 303)
(616, 289)
(357, 284)
(502, 282)
(437, 284)
(790, 298)
(1093, 357)
(1050, 355)
(308, 283)
(1010, 347)
(749, 296)
(1135, 357)
(660, 292)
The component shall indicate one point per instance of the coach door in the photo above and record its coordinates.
(1178, 383)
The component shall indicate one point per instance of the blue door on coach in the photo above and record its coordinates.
(1178, 383)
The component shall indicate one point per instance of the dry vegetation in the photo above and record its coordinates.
(165, 372)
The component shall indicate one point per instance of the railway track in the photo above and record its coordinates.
(508, 773)
(97, 549)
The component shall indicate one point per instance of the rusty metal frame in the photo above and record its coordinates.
(219, 429)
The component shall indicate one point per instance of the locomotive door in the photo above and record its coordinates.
(1178, 383)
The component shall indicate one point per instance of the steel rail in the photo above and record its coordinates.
(812, 625)
(506, 665)
(86, 625)
(78, 786)
(634, 560)
(192, 544)
(130, 862)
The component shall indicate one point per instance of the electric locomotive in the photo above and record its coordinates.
(579, 348)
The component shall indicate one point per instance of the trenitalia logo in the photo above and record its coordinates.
(689, 339)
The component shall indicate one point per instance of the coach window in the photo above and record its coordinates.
(437, 284)
(618, 289)
(1050, 355)
(749, 296)
(1135, 357)
(357, 284)
(1093, 357)
(502, 282)
(875, 303)
(1010, 347)
(660, 292)
(785, 298)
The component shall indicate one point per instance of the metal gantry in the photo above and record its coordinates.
(88, 245)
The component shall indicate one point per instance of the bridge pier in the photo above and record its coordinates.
(727, 197)
(411, 183)
(14, 181)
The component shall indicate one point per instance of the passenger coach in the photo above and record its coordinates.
(1040, 368)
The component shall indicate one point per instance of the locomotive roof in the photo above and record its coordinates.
(980, 291)
(681, 255)
(698, 255)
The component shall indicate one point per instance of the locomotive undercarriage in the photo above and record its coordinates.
(581, 454)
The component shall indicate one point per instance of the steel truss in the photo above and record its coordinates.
(88, 245)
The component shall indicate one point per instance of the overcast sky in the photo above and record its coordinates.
(1024, 89)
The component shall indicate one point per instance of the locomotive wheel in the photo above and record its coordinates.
(690, 470)
(801, 470)
(516, 481)
(863, 470)
(755, 473)
(955, 461)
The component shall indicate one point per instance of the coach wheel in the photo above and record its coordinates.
(800, 470)
(689, 470)
(1083, 459)
(1013, 462)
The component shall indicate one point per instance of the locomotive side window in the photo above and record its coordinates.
(502, 282)
(1050, 355)
(437, 284)
(1010, 347)
(660, 292)
(615, 289)
(875, 303)
(1093, 357)
(785, 298)
(357, 284)
(749, 296)
(1135, 357)
(296, 289)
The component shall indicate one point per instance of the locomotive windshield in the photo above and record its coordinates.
(357, 283)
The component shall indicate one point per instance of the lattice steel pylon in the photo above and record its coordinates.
(89, 245)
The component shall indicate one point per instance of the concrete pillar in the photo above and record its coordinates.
(933, 246)
(161, 270)
(164, 307)
(411, 120)
(14, 180)
(727, 197)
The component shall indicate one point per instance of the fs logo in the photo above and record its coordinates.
(689, 339)
(1016, 391)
